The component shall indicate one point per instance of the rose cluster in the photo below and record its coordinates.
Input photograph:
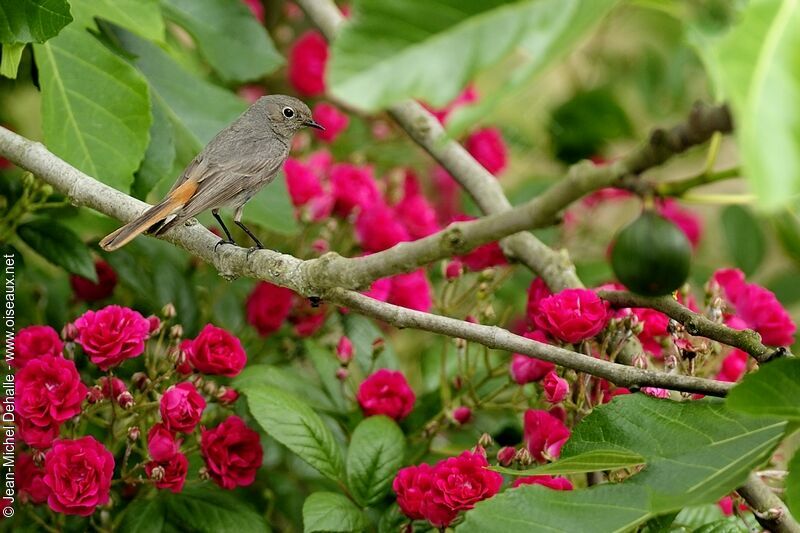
(74, 475)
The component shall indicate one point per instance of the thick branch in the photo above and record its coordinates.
(746, 340)
(289, 271)
(770, 511)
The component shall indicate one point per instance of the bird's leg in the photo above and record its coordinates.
(230, 240)
(237, 218)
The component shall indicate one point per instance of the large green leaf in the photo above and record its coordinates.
(329, 511)
(592, 461)
(197, 109)
(756, 66)
(9, 63)
(272, 208)
(139, 16)
(695, 451)
(95, 107)
(26, 21)
(373, 458)
(59, 245)
(604, 508)
(288, 379)
(559, 27)
(160, 155)
(793, 485)
(229, 37)
(744, 238)
(290, 421)
(201, 509)
(430, 49)
(772, 391)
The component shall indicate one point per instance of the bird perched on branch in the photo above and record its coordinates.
(228, 172)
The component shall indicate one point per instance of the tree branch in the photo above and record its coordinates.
(770, 511)
(746, 340)
(288, 271)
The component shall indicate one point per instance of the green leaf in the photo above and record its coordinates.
(744, 238)
(144, 516)
(772, 391)
(59, 245)
(288, 379)
(592, 461)
(558, 27)
(755, 64)
(160, 154)
(787, 229)
(731, 524)
(373, 458)
(362, 333)
(12, 53)
(272, 208)
(95, 107)
(793, 485)
(197, 109)
(430, 49)
(294, 424)
(208, 509)
(604, 508)
(26, 21)
(142, 17)
(325, 364)
(696, 452)
(229, 37)
(329, 511)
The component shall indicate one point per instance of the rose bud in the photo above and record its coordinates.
(156, 473)
(69, 332)
(462, 415)
(125, 400)
(344, 350)
(523, 457)
(140, 380)
(342, 374)
(453, 269)
(94, 394)
(227, 396)
(134, 433)
(168, 311)
(506, 455)
(155, 324)
(485, 440)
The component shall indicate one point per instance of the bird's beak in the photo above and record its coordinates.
(312, 124)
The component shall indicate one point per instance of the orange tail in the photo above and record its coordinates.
(146, 220)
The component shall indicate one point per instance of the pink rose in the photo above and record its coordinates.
(458, 484)
(89, 291)
(544, 434)
(654, 329)
(380, 289)
(756, 307)
(386, 393)
(525, 369)
(412, 485)
(307, 59)
(334, 121)
(462, 414)
(734, 366)
(414, 211)
(489, 149)
(257, 8)
(467, 96)
(305, 318)
(78, 473)
(555, 387)
(555, 483)
(232, 453)
(656, 392)
(344, 350)
(215, 351)
(268, 306)
(112, 335)
(484, 256)
(172, 473)
(353, 186)
(34, 342)
(49, 392)
(302, 182)
(573, 315)
(161, 443)
(447, 198)
(537, 291)
(32, 487)
(378, 228)
(39, 437)
(182, 407)
(111, 388)
(412, 290)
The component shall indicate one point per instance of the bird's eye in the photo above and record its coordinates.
(288, 112)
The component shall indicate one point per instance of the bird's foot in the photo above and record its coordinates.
(223, 241)
(253, 249)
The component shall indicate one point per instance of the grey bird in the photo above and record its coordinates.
(228, 172)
